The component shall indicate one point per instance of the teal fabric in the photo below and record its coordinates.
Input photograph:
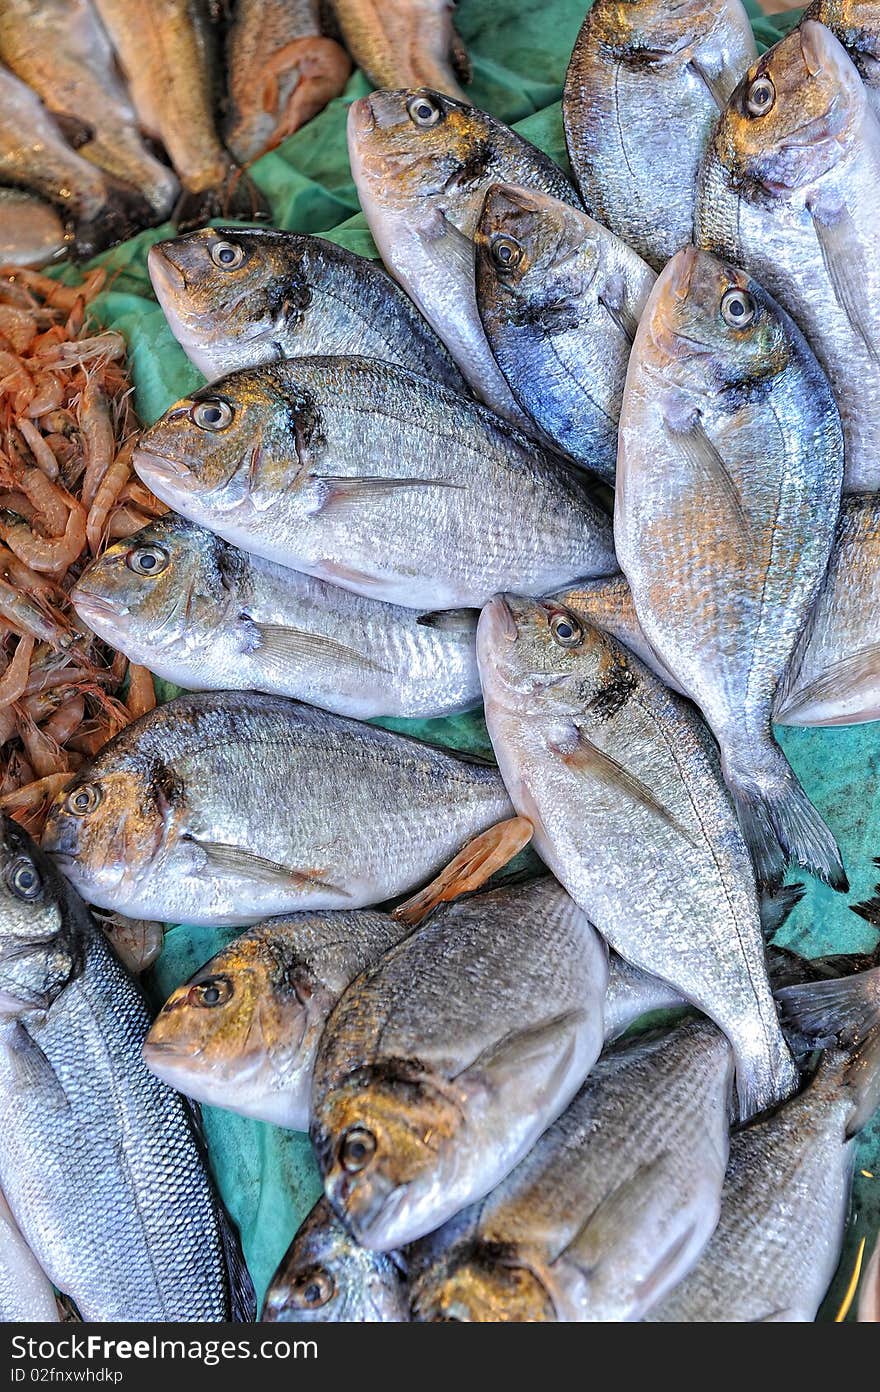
(267, 1177)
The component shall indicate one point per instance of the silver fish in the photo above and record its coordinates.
(405, 43)
(612, 1207)
(377, 480)
(442, 1064)
(642, 93)
(31, 232)
(422, 163)
(99, 1162)
(224, 808)
(620, 779)
(26, 1292)
(206, 616)
(728, 492)
(790, 190)
(326, 1276)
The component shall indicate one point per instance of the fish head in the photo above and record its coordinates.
(224, 290)
(656, 31)
(416, 144)
(482, 1282)
(381, 1138)
(43, 925)
(326, 1276)
(794, 115)
(169, 582)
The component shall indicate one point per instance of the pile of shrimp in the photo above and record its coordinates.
(67, 489)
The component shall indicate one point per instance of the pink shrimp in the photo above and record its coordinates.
(141, 691)
(66, 720)
(43, 456)
(48, 395)
(14, 679)
(50, 555)
(40, 790)
(44, 753)
(105, 499)
(125, 522)
(99, 439)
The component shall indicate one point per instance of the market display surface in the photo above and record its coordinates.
(240, 457)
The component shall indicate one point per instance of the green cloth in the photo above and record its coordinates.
(267, 1177)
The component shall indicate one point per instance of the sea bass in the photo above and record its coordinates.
(239, 297)
(281, 72)
(31, 232)
(26, 1293)
(326, 1276)
(422, 163)
(405, 43)
(728, 493)
(442, 1064)
(377, 480)
(223, 808)
(61, 50)
(856, 23)
(790, 190)
(559, 298)
(642, 94)
(201, 614)
(99, 1162)
(620, 779)
(612, 1207)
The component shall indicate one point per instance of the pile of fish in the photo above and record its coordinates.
(601, 455)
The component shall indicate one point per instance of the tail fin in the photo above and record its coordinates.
(775, 908)
(237, 197)
(869, 909)
(846, 1012)
(780, 824)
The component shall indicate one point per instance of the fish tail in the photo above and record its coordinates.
(775, 907)
(780, 824)
(766, 1073)
(845, 1012)
(236, 197)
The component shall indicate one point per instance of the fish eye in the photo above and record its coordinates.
(84, 800)
(215, 991)
(738, 308)
(506, 252)
(357, 1149)
(213, 414)
(227, 255)
(147, 560)
(566, 630)
(24, 879)
(761, 97)
(313, 1289)
(423, 112)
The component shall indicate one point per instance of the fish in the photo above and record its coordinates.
(607, 603)
(612, 1207)
(35, 157)
(281, 72)
(620, 779)
(559, 298)
(728, 492)
(169, 58)
(101, 1164)
(641, 99)
(422, 163)
(239, 297)
(137, 943)
(326, 1276)
(405, 43)
(31, 232)
(443, 1063)
(198, 612)
(26, 1293)
(856, 23)
(372, 478)
(225, 808)
(787, 1191)
(790, 190)
(61, 50)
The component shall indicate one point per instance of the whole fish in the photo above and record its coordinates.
(31, 232)
(238, 297)
(611, 1208)
(790, 190)
(728, 493)
(405, 43)
(205, 616)
(621, 781)
(856, 23)
(26, 1292)
(61, 50)
(99, 1162)
(559, 298)
(642, 94)
(281, 72)
(34, 156)
(422, 163)
(377, 480)
(326, 1276)
(442, 1064)
(224, 808)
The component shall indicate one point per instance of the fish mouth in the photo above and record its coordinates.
(361, 117)
(162, 267)
(160, 466)
(169, 1051)
(500, 619)
(93, 605)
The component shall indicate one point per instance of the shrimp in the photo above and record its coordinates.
(43, 752)
(99, 439)
(51, 555)
(66, 720)
(40, 790)
(48, 394)
(14, 679)
(23, 613)
(105, 499)
(124, 522)
(141, 691)
(43, 456)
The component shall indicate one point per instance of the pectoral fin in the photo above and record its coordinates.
(34, 1072)
(705, 459)
(838, 241)
(850, 675)
(451, 620)
(282, 648)
(350, 494)
(470, 869)
(235, 860)
(535, 1060)
(585, 757)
